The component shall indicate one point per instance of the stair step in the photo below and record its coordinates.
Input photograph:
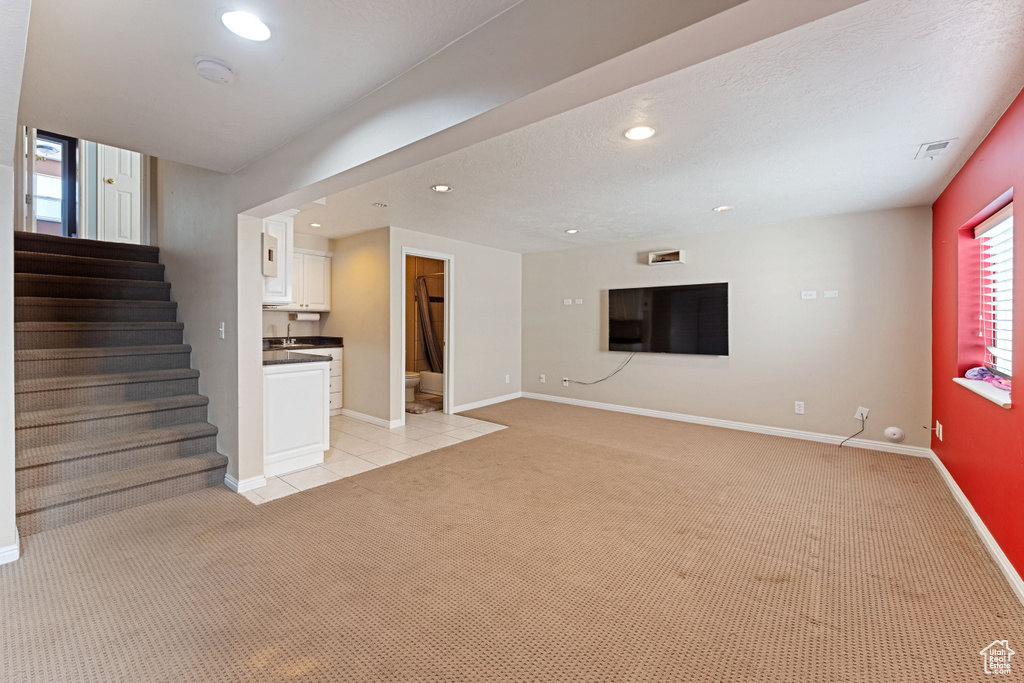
(49, 427)
(64, 391)
(48, 335)
(47, 507)
(39, 363)
(70, 246)
(85, 266)
(66, 286)
(46, 465)
(53, 309)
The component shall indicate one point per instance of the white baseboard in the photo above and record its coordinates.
(916, 451)
(12, 552)
(989, 541)
(244, 485)
(370, 419)
(487, 402)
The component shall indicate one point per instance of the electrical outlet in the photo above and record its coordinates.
(508, 378)
(798, 407)
(579, 302)
(543, 379)
(809, 295)
(221, 330)
(831, 293)
(861, 414)
(938, 430)
(567, 302)
(565, 381)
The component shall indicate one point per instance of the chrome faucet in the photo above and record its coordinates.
(288, 337)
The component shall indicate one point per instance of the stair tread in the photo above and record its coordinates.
(85, 448)
(101, 303)
(31, 326)
(22, 240)
(98, 351)
(81, 280)
(26, 386)
(53, 416)
(84, 260)
(42, 497)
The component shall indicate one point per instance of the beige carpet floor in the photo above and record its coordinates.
(577, 545)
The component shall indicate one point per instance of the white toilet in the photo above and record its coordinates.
(412, 380)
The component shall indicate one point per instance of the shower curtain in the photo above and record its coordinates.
(434, 354)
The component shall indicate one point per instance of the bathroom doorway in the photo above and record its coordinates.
(426, 332)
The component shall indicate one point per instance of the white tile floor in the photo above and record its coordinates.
(357, 447)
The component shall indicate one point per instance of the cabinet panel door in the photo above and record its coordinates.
(278, 290)
(298, 285)
(317, 279)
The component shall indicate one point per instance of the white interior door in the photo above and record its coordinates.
(119, 197)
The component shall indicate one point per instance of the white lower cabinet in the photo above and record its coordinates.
(296, 422)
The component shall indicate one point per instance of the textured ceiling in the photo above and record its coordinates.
(822, 119)
(124, 73)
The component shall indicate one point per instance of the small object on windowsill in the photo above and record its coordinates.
(1000, 397)
(986, 375)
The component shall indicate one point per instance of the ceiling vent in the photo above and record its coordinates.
(930, 150)
(213, 69)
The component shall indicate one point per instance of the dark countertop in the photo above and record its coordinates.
(275, 343)
(289, 356)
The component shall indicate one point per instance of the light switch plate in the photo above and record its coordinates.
(567, 302)
(579, 302)
(809, 295)
(831, 293)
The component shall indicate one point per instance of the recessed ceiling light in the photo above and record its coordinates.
(441, 188)
(245, 25)
(314, 225)
(380, 205)
(572, 231)
(639, 133)
(722, 209)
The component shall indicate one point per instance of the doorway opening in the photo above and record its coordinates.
(427, 325)
(79, 188)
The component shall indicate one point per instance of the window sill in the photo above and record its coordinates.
(985, 390)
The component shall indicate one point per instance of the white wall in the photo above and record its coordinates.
(359, 314)
(8, 530)
(199, 245)
(486, 312)
(249, 408)
(870, 347)
(13, 34)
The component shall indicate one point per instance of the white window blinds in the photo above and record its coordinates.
(996, 236)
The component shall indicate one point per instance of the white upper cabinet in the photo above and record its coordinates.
(317, 282)
(277, 289)
(311, 288)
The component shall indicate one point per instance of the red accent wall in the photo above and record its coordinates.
(983, 444)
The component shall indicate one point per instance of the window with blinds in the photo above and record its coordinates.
(996, 237)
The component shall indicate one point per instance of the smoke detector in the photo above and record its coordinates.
(213, 69)
(930, 150)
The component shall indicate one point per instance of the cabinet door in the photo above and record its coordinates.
(278, 290)
(298, 285)
(317, 283)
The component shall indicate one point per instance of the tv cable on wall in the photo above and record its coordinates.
(598, 381)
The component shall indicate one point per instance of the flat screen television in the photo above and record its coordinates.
(674, 319)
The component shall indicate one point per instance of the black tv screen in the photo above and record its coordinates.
(676, 319)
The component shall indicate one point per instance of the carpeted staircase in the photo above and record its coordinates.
(108, 414)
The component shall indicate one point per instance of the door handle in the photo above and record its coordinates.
(110, 181)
